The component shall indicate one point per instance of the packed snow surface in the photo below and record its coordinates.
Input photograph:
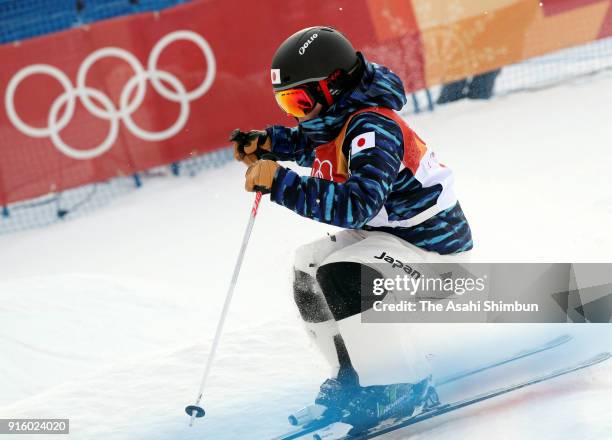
(107, 319)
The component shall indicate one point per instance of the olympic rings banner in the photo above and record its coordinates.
(131, 93)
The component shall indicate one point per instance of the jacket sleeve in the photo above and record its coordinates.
(291, 144)
(372, 172)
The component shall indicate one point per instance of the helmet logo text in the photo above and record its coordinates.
(307, 43)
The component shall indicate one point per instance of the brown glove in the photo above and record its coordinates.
(249, 146)
(260, 175)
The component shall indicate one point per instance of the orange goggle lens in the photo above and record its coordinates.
(296, 102)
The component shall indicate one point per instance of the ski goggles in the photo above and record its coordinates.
(295, 102)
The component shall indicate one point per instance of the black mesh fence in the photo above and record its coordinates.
(73, 203)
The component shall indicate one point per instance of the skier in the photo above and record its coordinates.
(372, 175)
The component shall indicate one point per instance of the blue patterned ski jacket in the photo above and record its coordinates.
(375, 186)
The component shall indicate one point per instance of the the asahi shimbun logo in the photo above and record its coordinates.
(308, 42)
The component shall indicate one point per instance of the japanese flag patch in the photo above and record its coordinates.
(275, 76)
(362, 142)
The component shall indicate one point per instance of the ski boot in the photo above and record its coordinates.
(371, 405)
(336, 394)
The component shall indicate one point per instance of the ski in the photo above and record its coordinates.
(515, 357)
(338, 430)
(320, 423)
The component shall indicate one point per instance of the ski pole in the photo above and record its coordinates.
(196, 410)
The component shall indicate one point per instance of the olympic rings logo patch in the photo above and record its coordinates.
(318, 169)
(108, 111)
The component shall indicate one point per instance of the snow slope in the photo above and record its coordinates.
(107, 319)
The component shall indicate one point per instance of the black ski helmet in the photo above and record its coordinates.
(312, 55)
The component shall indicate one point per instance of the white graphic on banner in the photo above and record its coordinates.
(108, 111)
